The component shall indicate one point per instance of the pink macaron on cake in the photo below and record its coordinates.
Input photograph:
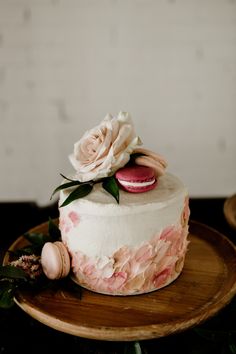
(123, 218)
(136, 178)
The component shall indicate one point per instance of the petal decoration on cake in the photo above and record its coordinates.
(146, 268)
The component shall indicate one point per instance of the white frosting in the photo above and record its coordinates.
(137, 184)
(104, 226)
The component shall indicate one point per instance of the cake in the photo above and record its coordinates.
(122, 242)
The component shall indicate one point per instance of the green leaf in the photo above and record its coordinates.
(232, 343)
(111, 187)
(6, 284)
(64, 186)
(68, 179)
(79, 192)
(7, 298)
(53, 230)
(37, 239)
(12, 272)
(133, 348)
(27, 250)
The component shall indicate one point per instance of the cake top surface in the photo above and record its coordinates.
(168, 186)
(99, 201)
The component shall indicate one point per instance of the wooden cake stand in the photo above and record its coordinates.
(207, 284)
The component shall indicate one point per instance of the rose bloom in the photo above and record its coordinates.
(104, 149)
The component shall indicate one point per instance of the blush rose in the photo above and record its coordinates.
(104, 149)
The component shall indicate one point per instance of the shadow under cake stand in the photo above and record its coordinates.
(206, 284)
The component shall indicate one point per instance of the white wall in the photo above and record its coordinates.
(65, 64)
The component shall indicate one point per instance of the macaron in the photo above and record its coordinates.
(136, 178)
(55, 260)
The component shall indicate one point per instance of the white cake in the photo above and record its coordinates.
(133, 247)
(123, 219)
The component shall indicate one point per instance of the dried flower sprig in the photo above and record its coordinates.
(25, 270)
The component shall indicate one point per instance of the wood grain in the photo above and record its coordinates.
(207, 283)
(230, 211)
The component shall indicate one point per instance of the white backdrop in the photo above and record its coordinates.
(65, 64)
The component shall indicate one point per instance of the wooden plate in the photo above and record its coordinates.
(207, 283)
(230, 211)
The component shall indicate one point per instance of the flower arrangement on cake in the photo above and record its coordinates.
(104, 150)
(123, 221)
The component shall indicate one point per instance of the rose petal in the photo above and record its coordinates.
(123, 139)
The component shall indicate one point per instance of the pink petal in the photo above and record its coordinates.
(144, 253)
(74, 217)
(116, 281)
(161, 278)
(168, 234)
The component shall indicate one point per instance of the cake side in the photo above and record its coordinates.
(134, 247)
(98, 226)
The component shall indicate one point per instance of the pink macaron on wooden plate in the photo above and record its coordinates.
(207, 283)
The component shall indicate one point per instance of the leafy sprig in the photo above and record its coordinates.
(84, 188)
(37, 240)
(12, 277)
(111, 186)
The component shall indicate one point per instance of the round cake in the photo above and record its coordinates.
(123, 219)
(133, 247)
